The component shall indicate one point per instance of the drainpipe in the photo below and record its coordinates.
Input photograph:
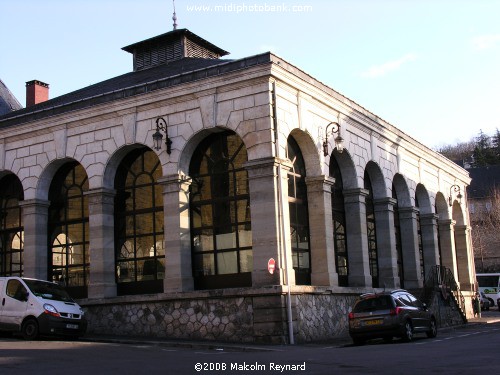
(281, 238)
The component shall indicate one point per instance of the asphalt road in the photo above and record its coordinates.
(468, 350)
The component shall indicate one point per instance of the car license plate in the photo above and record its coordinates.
(72, 326)
(373, 322)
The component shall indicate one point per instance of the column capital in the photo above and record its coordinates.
(34, 202)
(265, 167)
(449, 223)
(100, 195)
(429, 219)
(320, 183)
(355, 195)
(385, 203)
(175, 182)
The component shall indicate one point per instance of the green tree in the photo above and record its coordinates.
(484, 152)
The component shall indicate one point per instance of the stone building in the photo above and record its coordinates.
(179, 240)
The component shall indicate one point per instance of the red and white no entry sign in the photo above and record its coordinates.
(271, 265)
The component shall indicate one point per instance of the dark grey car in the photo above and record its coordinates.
(390, 314)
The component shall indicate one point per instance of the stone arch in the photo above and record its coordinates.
(11, 225)
(108, 179)
(193, 142)
(309, 151)
(347, 169)
(424, 201)
(461, 235)
(377, 180)
(47, 175)
(402, 191)
(441, 207)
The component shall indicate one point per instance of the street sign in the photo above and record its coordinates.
(271, 265)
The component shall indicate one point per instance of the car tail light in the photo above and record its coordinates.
(351, 315)
(396, 311)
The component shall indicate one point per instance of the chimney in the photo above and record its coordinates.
(36, 92)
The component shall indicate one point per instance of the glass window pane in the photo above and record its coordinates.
(244, 236)
(204, 265)
(125, 271)
(203, 241)
(227, 262)
(225, 241)
(246, 261)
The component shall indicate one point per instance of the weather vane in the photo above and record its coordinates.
(174, 18)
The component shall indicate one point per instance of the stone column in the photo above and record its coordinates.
(357, 240)
(35, 219)
(319, 198)
(464, 259)
(270, 221)
(102, 243)
(177, 238)
(447, 241)
(429, 229)
(386, 243)
(409, 247)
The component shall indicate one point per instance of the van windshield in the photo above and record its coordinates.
(48, 290)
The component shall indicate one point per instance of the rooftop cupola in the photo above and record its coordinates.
(172, 46)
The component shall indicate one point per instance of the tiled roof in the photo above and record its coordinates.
(484, 179)
(130, 84)
(8, 101)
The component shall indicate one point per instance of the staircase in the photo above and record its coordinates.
(443, 296)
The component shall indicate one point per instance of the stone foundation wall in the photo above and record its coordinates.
(229, 319)
(240, 315)
(322, 317)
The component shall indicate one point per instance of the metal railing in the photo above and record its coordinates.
(441, 280)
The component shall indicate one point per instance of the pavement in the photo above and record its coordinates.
(486, 317)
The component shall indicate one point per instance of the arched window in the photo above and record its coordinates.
(11, 227)
(339, 228)
(397, 234)
(221, 230)
(139, 251)
(299, 215)
(371, 231)
(69, 229)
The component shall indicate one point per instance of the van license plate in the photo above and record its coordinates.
(72, 326)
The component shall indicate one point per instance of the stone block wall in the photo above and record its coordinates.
(227, 319)
(322, 316)
(239, 315)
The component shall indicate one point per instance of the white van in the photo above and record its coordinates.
(37, 307)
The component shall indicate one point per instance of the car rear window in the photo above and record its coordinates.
(373, 304)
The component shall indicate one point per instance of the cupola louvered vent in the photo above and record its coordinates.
(172, 46)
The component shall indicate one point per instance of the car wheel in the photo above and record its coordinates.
(408, 332)
(30, 329)
(432, 332)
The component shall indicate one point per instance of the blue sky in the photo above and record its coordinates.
(429, 67)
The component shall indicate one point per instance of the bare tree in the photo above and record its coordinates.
(486, 233)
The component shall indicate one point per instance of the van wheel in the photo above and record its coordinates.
(30, 329)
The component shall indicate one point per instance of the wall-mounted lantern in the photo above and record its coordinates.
(339, 141)
(161, 125)
(454, 188)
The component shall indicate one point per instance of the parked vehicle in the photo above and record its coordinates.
(489, 284)
(484, 302)
(37, 307)
(390, 314)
